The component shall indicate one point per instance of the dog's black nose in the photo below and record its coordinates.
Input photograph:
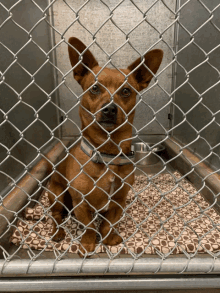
(110, 111)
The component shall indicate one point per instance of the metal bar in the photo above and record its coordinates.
(101, 284)
(185, 161)
(54, 61)
(174, 66)
(17, 198)
(71, 267)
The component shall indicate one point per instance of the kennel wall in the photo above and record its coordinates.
(39, 109)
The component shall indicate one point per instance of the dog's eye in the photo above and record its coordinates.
(125, 92)
(95, 89)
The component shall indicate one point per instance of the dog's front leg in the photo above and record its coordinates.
(84, 216)
(113, 215)
(56, 198)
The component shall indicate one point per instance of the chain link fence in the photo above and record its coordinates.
(170, 221)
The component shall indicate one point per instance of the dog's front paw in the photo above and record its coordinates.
(59, 236)
(112, 239)
(85, 248)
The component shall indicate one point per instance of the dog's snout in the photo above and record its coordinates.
(110, 111)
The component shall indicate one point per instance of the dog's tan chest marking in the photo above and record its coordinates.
(112, 180)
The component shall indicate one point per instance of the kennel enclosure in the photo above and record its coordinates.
(39, 104)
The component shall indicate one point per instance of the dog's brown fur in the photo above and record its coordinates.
(81, 183)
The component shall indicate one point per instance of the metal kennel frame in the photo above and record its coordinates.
(30, 106)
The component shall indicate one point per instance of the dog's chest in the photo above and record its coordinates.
(107, 182)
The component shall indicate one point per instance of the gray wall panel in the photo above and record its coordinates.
(192, 16)
(21, 114)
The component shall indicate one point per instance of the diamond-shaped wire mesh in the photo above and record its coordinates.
(68, 203)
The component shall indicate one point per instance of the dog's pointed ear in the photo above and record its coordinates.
(143, 76)
(88, 59)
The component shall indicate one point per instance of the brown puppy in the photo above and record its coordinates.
(107, 126)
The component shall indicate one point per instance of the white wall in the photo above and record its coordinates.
(126, 16)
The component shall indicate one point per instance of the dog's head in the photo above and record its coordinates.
(109, 113)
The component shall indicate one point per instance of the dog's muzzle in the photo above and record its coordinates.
(109, 113)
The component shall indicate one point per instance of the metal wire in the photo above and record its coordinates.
(151, 181)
